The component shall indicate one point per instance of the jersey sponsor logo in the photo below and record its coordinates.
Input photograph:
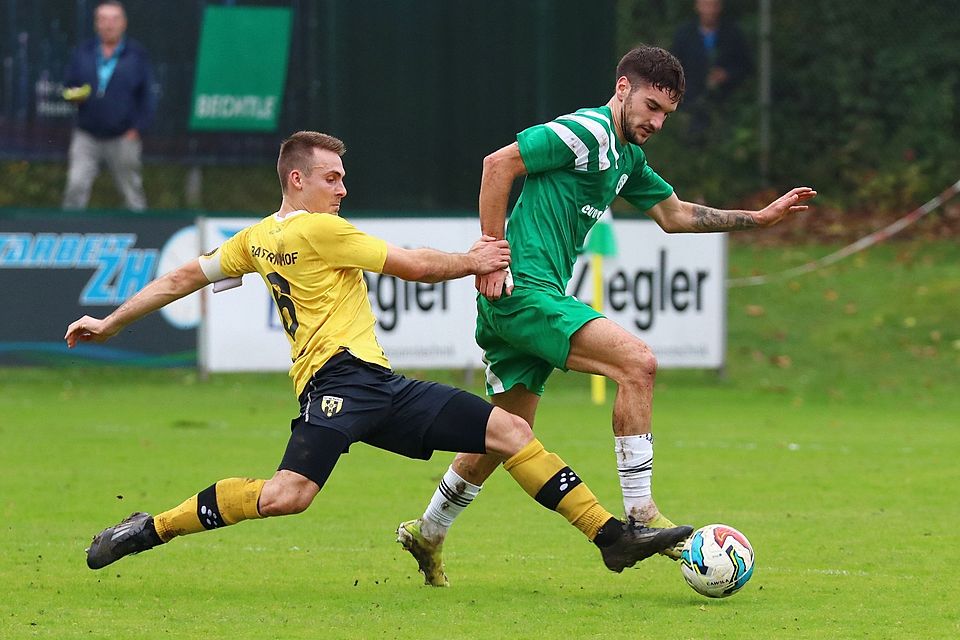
(120, 269)
(273, 257)
(331, 405)
(592, 212)
(622, 181)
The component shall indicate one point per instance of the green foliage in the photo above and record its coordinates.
(31, 184)
(866, 102)
(831, 442)
(871, 105)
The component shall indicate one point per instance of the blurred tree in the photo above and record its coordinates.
(866, 102)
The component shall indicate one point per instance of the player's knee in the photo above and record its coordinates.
(507, 433)
(639, 365)
(520, 430)
(284, 505)
(285, 497)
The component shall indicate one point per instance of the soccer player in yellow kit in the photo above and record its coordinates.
(313, 261)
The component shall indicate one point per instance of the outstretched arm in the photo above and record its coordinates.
(500, 169)
(174, 285)
(431, 265)
(676, 216)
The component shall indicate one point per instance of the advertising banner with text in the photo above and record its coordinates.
(56, 268)
(667, 289)
(241, 68)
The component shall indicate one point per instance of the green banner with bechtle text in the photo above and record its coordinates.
(241, 69)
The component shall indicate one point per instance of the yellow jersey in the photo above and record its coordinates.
(313, 265)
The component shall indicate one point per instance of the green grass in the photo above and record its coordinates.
(832, 441)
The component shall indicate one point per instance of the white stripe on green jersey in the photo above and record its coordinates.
(600, 133)
(609, 127)
(572, 140)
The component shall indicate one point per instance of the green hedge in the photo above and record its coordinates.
(866, 102)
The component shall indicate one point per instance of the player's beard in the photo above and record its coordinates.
(628, 133)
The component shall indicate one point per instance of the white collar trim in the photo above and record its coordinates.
(278, 218)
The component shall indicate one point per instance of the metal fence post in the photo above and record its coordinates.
(765, 91)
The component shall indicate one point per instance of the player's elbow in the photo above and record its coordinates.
(505, 162)
(670, 226)
(185, 279)
(665, 223)
(490, 163)
(669, 221)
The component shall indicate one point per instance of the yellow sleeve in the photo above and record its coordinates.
(229, 260)
(342, 245)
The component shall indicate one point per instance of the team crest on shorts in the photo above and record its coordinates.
(331, 405)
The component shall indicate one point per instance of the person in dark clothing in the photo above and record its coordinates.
(111, 81)
(715, 59)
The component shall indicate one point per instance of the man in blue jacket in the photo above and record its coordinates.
(715, 58)
(111, 81)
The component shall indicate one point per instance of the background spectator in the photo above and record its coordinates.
(110, 79)
(715, 59)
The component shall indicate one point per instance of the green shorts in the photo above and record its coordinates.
(526, 335)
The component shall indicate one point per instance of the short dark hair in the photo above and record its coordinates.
(296, 152)
(111, 3)
(654, 66)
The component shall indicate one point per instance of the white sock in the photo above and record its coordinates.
(453, 495)
(635, 467)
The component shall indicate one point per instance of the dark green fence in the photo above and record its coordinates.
(420, 90)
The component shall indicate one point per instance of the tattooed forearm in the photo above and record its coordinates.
(708, 219)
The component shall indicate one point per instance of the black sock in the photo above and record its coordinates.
(609, 533)
(151, 533)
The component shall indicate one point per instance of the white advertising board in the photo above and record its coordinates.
(667, 289)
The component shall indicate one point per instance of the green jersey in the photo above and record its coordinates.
(576, 166)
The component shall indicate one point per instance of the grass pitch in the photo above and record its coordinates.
(831, 441)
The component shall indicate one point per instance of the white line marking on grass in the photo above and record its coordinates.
(753, 446)
(822, 572)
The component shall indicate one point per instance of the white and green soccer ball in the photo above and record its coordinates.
(717, 560)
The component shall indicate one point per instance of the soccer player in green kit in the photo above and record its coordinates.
(528, 326)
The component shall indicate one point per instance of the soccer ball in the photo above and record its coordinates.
(716, 561)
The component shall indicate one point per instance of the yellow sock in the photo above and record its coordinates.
(224, 503)
(548, 479)
(660, 522)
